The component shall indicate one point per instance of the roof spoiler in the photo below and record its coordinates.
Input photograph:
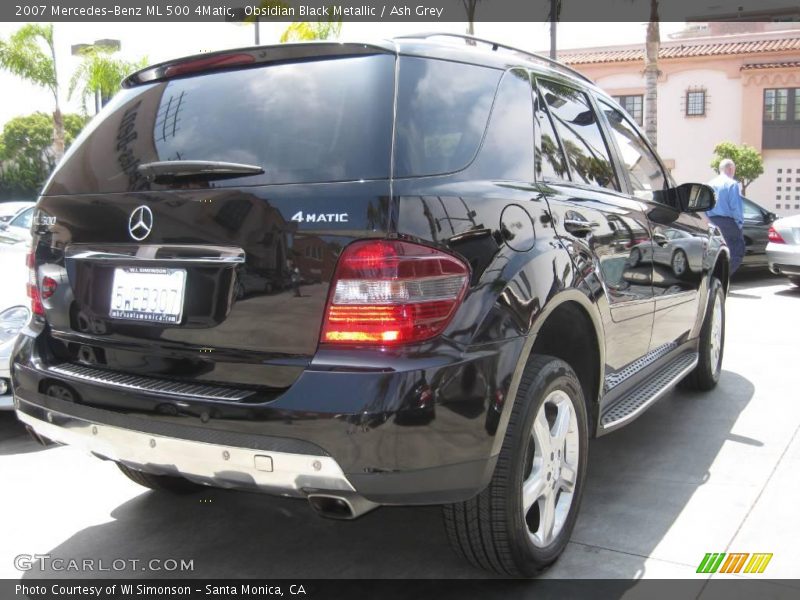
(249, 57)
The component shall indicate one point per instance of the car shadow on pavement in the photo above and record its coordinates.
(640, 480)
(645, 476)
(14, 439)
(753, 278)
(792, 291)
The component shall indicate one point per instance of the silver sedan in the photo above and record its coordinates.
(783, 249)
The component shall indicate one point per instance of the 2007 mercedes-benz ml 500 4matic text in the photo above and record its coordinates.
(420, 271)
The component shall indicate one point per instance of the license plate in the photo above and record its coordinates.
(145, 294)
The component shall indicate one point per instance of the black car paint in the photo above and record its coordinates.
(392, 441)
(757, 221)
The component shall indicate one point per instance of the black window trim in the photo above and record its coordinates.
(686, 101)
(590, 94)
(599, 99)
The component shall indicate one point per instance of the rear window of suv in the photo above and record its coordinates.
(302, 122)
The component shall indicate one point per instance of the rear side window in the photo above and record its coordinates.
(442, 111)
(577, 126)
(302, 122)
(507, 150)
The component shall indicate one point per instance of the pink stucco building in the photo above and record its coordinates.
(741, 87)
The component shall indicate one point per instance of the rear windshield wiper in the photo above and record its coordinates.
(168, 171)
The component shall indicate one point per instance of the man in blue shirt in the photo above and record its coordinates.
(727, 214)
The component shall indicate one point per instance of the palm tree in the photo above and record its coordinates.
(553, 17)
(29, 54)
(99, 75)
(469, 7)
(651, 74)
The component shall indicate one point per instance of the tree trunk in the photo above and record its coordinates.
(58, 135)
(651, 74)
(469, 7)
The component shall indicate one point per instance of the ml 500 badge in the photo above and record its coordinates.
(301, 217)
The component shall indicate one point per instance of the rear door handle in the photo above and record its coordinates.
(577, 227)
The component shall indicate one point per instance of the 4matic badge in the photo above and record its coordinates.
(301, 217)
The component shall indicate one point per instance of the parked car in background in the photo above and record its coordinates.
(18, 229)
(757, 221)
(783, 250)
(14, 313)
(9, 210)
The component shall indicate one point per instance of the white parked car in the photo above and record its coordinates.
(9, 210)
(783, 249)
(18, 229)
(14, 312)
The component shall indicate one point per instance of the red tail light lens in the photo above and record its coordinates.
(775, 237)
(49, 286)
(33, 289)
(391, 292)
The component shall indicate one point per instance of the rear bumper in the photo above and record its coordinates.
(784, 259)
(364, 430)
(212, 464)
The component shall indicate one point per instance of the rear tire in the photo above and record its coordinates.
(712, 343)
(160, 483)
(520, 524)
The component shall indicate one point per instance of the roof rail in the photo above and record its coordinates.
(495, 46)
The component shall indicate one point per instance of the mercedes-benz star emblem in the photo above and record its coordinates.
(140, 223)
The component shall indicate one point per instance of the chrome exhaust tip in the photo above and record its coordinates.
(340, 505)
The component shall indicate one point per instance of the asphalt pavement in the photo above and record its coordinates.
(698, 473)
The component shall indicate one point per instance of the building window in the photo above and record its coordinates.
(776, 104)
(633, 105)
(781, 119)
(695, 103)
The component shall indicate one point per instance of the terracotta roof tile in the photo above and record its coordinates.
(773, 65)
(678, 50)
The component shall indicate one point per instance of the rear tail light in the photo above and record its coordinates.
(33, 288)
(49, 286)
(775, 237)
(392, 292)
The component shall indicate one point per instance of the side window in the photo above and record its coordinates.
(549, 161)
(577, 126)
(23, 219)
(442, 111)
(751, 211)
(507, 150)
(643, 168)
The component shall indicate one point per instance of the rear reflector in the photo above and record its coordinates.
(33, 289)
(775, 237)
(392, 292)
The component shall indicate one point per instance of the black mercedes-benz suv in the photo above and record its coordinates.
(422, 271)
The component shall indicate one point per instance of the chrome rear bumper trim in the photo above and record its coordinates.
(151, 385)
(211, 464)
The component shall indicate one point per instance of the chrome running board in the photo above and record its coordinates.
(637, 400)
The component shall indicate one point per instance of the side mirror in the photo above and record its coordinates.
(770, 217)
(695, 197)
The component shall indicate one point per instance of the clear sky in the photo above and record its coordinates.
(162, 41)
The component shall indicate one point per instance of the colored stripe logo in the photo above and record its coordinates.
(733, 562)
